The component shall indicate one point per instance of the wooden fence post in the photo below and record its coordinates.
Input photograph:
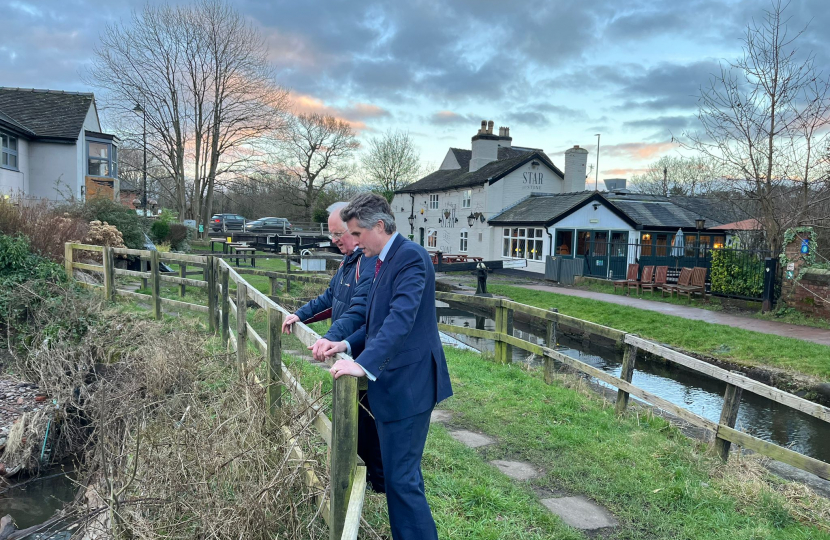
(241, 326)
(728, 416)
(273, 394)
(629, 360)
(550, 342)
(287, 273)
(155, 279)
(182, 274)
(144, 266)
(109, 273)
(217, 276)
(211, 291)
(343, 451)
(225, 323)
(67, 259)
(273, 282)
(504, 325)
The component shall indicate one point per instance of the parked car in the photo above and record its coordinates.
(227, 222)
(269, 225)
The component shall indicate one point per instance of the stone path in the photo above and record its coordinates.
(578, 512)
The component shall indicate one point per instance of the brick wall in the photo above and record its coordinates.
(812, 294)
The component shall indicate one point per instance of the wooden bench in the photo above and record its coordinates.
(661, 275)
(630, 277)
(245, 250)
(697, 284)
(684, 280)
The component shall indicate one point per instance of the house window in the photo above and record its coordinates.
(8, 147)
(466, 197)
(522, 243)
(432, 239)
(462, 244)
(433, 202)
(564, 242)
(102, 158)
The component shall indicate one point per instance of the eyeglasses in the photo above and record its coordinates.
(336, 236)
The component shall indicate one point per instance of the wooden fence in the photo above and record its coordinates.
(343, 507)
(723, 430)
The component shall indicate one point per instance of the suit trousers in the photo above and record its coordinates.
(401, 447)
(368, 445)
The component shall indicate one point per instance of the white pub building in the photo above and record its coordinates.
(499, 201)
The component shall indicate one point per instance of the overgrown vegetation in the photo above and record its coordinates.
(46, 228)
(736, 272)
(126, 220)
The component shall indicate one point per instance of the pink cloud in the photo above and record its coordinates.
(636, 151)
(354, 114)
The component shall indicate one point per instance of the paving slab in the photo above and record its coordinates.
(471, 439)
(581, 513)
(440, 416)
(517, 470)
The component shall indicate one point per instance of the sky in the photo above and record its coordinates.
(556, 72)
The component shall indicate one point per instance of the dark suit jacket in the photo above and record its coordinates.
(399, 344)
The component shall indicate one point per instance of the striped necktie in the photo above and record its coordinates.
(377, 266)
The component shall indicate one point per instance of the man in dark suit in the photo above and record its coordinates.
(399, 351)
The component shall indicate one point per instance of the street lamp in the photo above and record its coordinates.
(138, 108)
(471, 219)
(411, 223)
(700, 224)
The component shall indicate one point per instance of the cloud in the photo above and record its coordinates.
(529, 118)
(666, 126)
(636, 150)
(620, 173)
(354, 114)
(449, 118)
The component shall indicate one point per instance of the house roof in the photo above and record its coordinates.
(540, 208)
(509, 160)
(642, 211)
(46, 113)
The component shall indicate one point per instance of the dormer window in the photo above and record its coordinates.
(102, 158)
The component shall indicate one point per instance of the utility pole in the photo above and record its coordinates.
(596, 178)
(139, 108)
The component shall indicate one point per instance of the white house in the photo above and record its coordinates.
(53, 147)
(498, 201)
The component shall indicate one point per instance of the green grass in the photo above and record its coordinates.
(658, 483)
(736, 345)
(714, 303)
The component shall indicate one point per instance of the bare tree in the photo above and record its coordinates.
(763, 118)
(391, 162)
(315, 155)
(201, 76)
(677, 175)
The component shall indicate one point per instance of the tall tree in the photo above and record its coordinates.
(200, 74)
(677, 175)
(316, 154)
(764, 119)
(391, 162)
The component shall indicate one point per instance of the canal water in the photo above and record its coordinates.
(698, 393)
(37, 499)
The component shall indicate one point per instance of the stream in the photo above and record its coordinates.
(698, 393)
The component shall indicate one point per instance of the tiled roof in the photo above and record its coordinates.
(647, 211)
(460, 178)
(540, 208)
(46, 113)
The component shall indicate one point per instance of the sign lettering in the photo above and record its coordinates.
(533, 180)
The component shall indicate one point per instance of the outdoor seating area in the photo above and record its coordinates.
(449, 258)
(691, 281)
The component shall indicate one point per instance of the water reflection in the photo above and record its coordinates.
(700, 394)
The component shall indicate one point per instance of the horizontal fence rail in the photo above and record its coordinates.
(723, 430)
(342, 508)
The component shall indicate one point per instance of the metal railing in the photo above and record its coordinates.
(343, 507)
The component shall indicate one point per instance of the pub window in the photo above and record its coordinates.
(661, 242)
(564, 242)
(523, 243)
(432, 239)
(8, 147)
(466, 197)
(462, 244)
(645, 243)
(433, 202)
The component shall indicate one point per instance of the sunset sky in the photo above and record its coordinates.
(556, 72)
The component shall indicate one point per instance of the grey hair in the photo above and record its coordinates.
(368, 209)
(336, 207)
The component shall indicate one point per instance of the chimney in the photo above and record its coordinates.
(485, 146)
(576, 165)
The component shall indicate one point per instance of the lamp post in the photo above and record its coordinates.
(596, 177)
(140, 109)
(700, 224)
(471, 219)
(411, 220)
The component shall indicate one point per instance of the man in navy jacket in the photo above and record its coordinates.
(399, 350)
(344, 301)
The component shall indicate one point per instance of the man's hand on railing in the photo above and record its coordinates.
(288, 323)
(346, 367)
(323, 348)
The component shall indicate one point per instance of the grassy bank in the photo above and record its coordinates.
(736, 345)
(658, 483)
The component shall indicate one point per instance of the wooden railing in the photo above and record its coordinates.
(343, 507)
(724, 430)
